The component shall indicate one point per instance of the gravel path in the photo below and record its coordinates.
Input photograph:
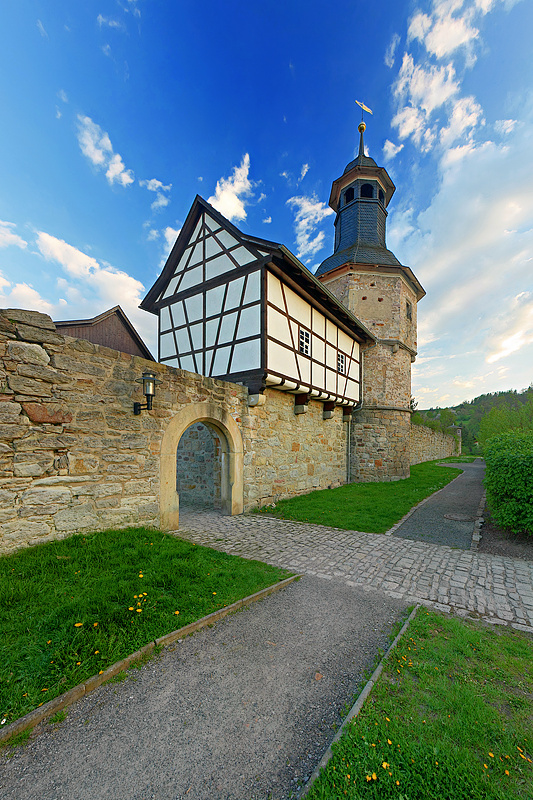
(242, 710)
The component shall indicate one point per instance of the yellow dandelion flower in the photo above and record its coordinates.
(78, 624)
(101, 671)
(374, 776)
(135, 597)
(485, 766)
(44, 690)
(519, 748)
(214, 592)
(388, 720)
(141, 575)
(96, 652)
(521, 756)
(397, 783)
(507, 772)
(145, 594)
(385, 765)
(130, 608)
(389, 741)
(491, 754)
(48, 642)
(95, 624)
(176, 612)
(369, 777)
(139, 611)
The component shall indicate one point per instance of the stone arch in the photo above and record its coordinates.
(232, 460)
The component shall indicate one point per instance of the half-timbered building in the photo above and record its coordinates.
(245, 309)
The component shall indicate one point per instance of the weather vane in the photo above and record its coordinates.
(363, 108)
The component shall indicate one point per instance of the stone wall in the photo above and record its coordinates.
(380, 445)
(199, 467)
(427, 444)
(74, 457)
(288, 454)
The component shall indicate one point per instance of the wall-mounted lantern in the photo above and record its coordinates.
(148, 381)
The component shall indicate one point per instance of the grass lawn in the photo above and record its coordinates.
(368, 507)
(449, 719)
(72, 608)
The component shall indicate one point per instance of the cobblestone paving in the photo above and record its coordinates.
(498, 589)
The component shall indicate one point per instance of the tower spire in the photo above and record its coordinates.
(362, 126)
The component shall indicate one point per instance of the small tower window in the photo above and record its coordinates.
(341, 363)
(349, 195)
(367, 190)
(381, 196)
(409, 310)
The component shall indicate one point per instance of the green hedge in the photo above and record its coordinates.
(509, 479)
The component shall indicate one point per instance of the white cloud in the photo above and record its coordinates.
(106, 50)
(62, 96)
(109, 23)
(309, 213)
(442, 33)
(9, 238)
(96, 145)
(171, 234)
(154, 185)
(426, 87)
(23, 295)
(390, 54)
(232, 193)
(304, 171)
(504, 126)
(91, 287)
(518, 330)
(466, 115)
(390, 149)
(267, 220)
(41, 29)
(153, 234)
(117, 173)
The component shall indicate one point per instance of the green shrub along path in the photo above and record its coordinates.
(449, 719)
(366, 507)
(72, 608)
(509, 480)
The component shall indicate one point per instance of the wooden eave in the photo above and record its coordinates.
(407, 273)
(115, 311)
(361, 171)
(149, 303)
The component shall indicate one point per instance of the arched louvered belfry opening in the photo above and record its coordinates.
(367, 190)
(225, 429)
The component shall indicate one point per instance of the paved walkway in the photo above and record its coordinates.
(447, 517)
(496, 588)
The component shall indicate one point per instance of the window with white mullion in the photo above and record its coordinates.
(304, 341)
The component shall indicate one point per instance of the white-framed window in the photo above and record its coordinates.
(304, 342)
(341, 363)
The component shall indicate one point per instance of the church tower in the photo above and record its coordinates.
(370, 281)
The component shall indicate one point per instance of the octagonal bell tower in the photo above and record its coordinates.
(370, 281)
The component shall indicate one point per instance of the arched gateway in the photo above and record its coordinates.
(231, 465)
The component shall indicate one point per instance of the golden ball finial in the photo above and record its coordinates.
(361, 127)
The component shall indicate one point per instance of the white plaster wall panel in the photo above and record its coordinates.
(177, 313)
(277, 325)
(227, 328)
(318, 376)
(298, 307)
(331, 381)
(195, 307)
(218, 266)
(164, 319)
(184, 343)
(167, 346)
(305, 369)
(212, 247)
(319, 323)
(317, 349)
(281, 360)
(243, 256)
(246, 355)
(274, 295)
(224, 236)
(221, 361)
(331, 357)
(345, 343)
(331, 332)
(213, 300)
(353, 368)
(211, 329)
(353, 391)
(234, 296)
(293, 341)
(253, 288)
(171, 288)
(250, 322)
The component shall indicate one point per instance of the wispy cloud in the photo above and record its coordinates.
(96, 145)
(390, 53)
(109, 23)
(231, 194)
(154, 185)
(309, 213)
(41, 29)
(390, 149)
(8, 237)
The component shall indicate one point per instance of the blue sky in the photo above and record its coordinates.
(115, 113)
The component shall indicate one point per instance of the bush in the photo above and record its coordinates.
(509, 479)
